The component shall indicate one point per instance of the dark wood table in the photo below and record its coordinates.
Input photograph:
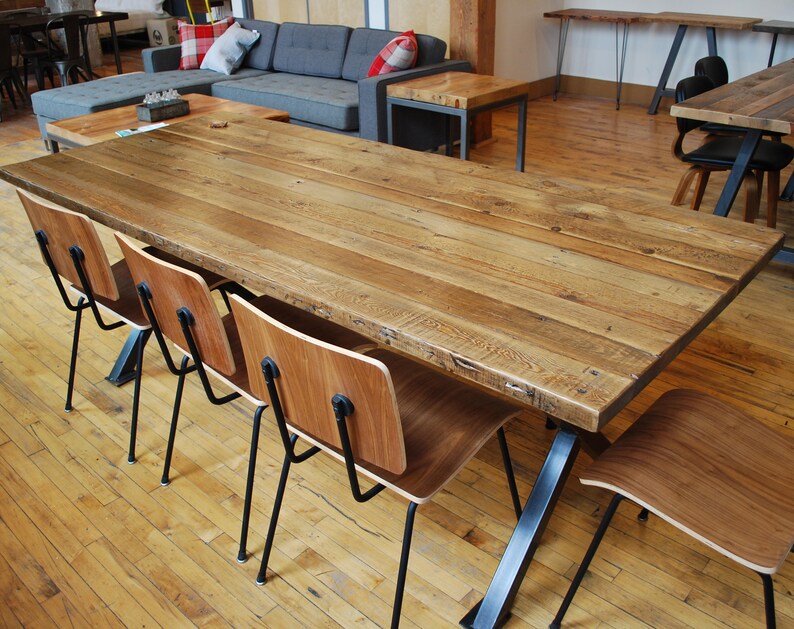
(569, 302)
(37, 23)
(684, 20)
(762, 102)
(776, 27)
(626, 18)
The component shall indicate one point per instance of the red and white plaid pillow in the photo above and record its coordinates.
(398, 54)
(197, 40)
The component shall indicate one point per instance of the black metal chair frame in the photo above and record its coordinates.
(9, 76)
(769, 592)
(343, 408)
(186, 321)
(89, 301)
(74, 58)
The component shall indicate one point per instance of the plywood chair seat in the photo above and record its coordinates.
(437, 447)
(710, 470)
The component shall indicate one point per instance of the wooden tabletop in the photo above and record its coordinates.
(706, 21)
(101, 126)
(568, 301)
(461, 90)
(764, 100)
(596, 15)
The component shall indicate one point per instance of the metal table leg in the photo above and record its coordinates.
(750, 143)
(522, 134)
(788, 191)
(494, 609)
(772, 50)
(464, 134)
(389, 122)
(620, 60)
(668, 68)
(562, 38)
(115, 39)
(124, 368)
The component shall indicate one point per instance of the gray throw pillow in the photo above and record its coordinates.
(228, 51)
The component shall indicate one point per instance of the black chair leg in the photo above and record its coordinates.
(591, 551)
(642, 516)
(769, 600)
(242, 555)
(511, 477)
(136, 396)
(78, 317)
(403, 573)
(271, 531)
(180, 385)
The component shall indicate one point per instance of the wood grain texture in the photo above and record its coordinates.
(702, 20)
(571, 308)
(764, 100)
(596, 15)
(101, 126)
(461, 90)
(711, 470)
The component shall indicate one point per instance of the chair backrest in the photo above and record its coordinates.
(689, 88)
(311, 373)
(73, 26)
(713, 67)
(63, 229)
(172, 288)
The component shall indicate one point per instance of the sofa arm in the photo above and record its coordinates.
(161, 58)
(372, 101)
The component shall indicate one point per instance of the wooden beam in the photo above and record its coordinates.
(472, 35)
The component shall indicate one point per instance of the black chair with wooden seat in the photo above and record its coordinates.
(178, 304)
(719, 154)
(72, 250)
(398, 423)
(711, 471)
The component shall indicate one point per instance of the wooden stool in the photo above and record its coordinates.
(710, 470)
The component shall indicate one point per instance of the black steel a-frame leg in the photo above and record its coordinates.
(494, 609)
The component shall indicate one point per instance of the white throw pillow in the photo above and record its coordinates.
(229, 50)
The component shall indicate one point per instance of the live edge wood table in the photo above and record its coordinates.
(464, 95)
(684, 20)
(762, 102)
(101, 126)
(627, 18)
(569, 302)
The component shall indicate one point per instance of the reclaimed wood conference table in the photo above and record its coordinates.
(567, 300)
(761, 102)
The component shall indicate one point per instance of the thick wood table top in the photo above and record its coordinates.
(596, 15)
(706, 21)
(764, 100)
(102, 125)
(461, 90)
(569, 300)
(35, 22)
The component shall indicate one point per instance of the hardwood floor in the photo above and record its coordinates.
(87, 540)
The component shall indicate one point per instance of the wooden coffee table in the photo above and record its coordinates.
(461, 94)
(102, 125)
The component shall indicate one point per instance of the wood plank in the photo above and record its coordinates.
(698, 19)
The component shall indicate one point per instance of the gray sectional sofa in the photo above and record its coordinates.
(318, 73)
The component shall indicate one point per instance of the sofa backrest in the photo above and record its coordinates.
(366, 43)
(313, 49)
(261, 55)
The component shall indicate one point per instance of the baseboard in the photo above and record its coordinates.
(596, 88)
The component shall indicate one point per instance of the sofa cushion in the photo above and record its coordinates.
(313, 49)
(228, 51)
(260, 57)
(196, 40)
(316, 100)
(398, 54)
(123, 89)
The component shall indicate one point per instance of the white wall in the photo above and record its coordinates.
(526, 42)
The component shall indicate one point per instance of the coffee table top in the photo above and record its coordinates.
(101, 126)
(461, 90)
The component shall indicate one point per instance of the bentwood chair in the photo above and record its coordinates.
(398, 423)
(71, 248)
(720, 153)
(711, 471)
(178, 304)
